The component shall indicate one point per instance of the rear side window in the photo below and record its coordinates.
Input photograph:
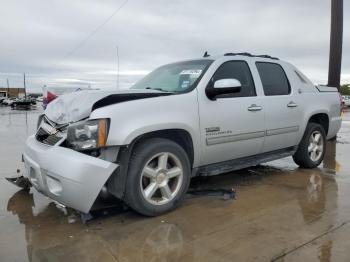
(238, 70)
(273, 78)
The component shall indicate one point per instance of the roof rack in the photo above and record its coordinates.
(250, 55)
(233, 54)
(267, 56)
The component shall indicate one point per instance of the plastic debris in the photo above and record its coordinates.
(20, 181)
(226, 194)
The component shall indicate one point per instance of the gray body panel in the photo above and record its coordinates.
(135, 118)
(245, 128)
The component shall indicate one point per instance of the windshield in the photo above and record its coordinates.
(177, 77)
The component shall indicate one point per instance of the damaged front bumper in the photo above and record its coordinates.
(67, 176)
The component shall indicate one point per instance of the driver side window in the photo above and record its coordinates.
(238, 70)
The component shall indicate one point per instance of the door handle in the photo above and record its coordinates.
(254, 107)
(292, 104)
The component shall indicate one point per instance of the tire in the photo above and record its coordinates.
(158, 177)
(310, 153)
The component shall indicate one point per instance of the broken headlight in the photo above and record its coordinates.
(89, 134)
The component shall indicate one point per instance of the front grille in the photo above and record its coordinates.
(46, 138)
(48, 133)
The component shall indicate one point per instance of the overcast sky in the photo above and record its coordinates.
(38, 37)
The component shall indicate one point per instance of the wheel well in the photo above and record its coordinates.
(179, 136)
(321, 119)
(116, 183)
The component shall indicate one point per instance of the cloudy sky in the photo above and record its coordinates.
(73, 43)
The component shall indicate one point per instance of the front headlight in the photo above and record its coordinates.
(88, 134)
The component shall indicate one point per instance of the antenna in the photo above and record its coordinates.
(117, 67)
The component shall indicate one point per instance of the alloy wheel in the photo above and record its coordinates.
(316, 146)
(161, 178)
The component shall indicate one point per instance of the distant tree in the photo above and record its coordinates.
(345, 90)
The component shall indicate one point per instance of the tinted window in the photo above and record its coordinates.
(273, 78)
(238, 70)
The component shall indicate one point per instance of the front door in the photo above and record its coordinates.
(233, 125)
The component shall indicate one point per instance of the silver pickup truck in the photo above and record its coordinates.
(198, 117)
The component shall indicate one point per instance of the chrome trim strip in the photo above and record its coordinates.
(234, 138)
(283, 130)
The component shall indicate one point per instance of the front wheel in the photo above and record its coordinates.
(158, 176)
(312, 147)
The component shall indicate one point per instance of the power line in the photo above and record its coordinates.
(93, 32)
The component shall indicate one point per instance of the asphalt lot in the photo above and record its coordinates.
(282, 213)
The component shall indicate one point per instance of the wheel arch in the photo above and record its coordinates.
(322, 119)
(179, 136)
(117, 182)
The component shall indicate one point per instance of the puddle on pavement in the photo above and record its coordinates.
(281, 212)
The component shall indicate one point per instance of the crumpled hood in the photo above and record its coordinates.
(76, 106)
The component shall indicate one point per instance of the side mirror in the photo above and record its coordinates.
(223, 86)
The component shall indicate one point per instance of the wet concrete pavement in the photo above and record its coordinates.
(282, 213)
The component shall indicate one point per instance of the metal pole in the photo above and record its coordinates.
(117, 67)
(24, 84)
(8, 87)
(336, 43)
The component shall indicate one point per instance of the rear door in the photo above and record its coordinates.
(232, 126)
(283, 114)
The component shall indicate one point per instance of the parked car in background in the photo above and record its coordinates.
(346, 100)
(8, 101)
(40, 99)
(198, 117)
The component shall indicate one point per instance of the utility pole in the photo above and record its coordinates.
(336, 43)
(117, 67)
(8, 87)
(24, 84)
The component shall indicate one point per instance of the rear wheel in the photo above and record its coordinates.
(158, 177)
(312, 147)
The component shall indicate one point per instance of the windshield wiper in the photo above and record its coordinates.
(159, 89)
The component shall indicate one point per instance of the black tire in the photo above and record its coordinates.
(302, 156)
(142, 153)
